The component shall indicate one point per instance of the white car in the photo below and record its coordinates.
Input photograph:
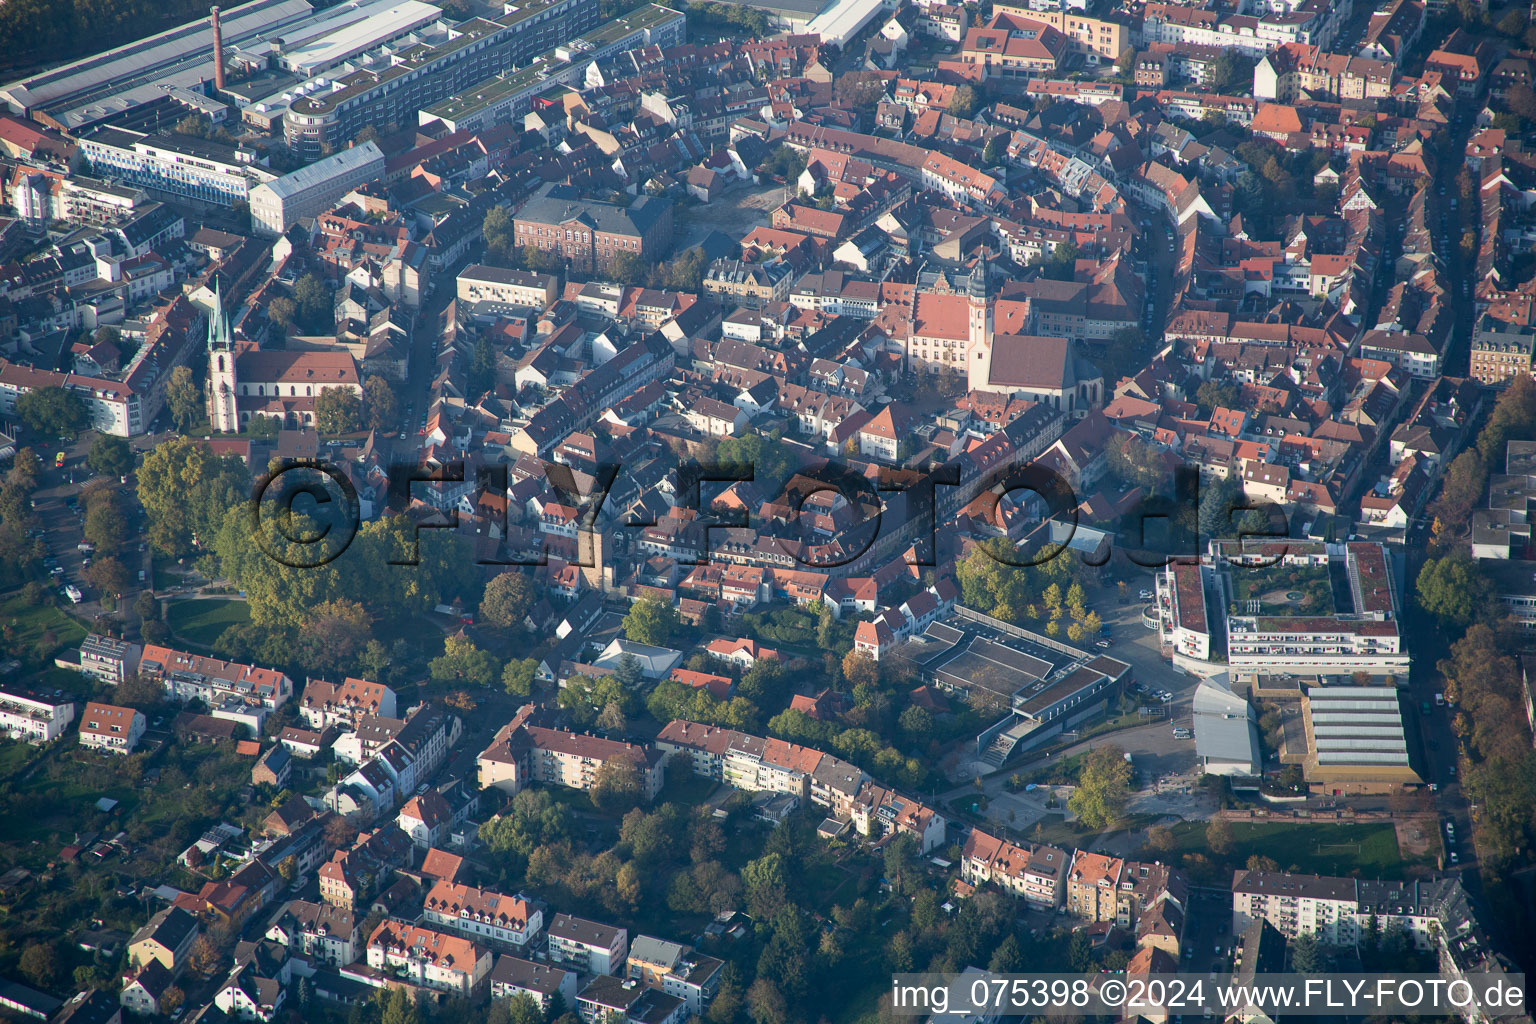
(1146, 595)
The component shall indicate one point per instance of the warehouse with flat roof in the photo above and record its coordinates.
(1355, 739)
(117, 81)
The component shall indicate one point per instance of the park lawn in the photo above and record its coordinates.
(1324, 849)
(31, 621)
(201, 622)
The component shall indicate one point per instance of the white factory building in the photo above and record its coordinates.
(309, 191)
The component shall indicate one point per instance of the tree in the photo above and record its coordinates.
(338, 411)
(617, 786)
(1160, 840)
(860, 669)
(507, 600)
(1125, 64)
(40, 963)
(1218, 836)
(861, 89)
(107, 575)
(316, 308)
(53, 412)
(171, 999)
(1103, 788)
(284, 312)
(628, 268)
(482, 367)
(205, 955)
(104, 525)
(524, 1009)
(1465, 481)
(1217, 394)
(627, 673)
(916, 722)
(1306, 954)
(612, 719)
(110, 456)
(288, 869)
(462, 661)
(1453, 590)
(995, 150)
(1521, 100)
(186, 491)
(517, 677)
(685, 271)
(651, 621)
(902, 864)
(963, 101)
(183, 398)
(498, 232)
(1134, 461)
(379, 403)
(766, 885)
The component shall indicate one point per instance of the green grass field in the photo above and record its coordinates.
(31, 621)
(201, 622)
(1331, 849)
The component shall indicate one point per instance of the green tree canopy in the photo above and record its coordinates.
(53, 412)
(183, 398)
(110, 456)
(1103, 788)
(338, 411)
(651, 621)
(508, 599)
(1452, 589)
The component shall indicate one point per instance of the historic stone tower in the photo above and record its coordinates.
(979, 343)
(222, 412)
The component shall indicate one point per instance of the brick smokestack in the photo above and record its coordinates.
(218, 50)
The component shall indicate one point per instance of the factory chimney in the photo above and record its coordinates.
(218, 50)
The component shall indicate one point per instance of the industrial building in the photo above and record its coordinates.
(108, 85)
(1355, 740)
(308, 191)
(389, 83)
(202, 169)
(507, 95)
(1226, 730)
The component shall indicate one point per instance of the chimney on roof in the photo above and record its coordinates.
(218, 50)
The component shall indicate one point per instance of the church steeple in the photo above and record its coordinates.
(978, 292)
(223, 415)
(218, 323)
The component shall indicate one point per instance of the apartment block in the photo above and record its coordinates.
(513, 976)
(677, 970)
(587, 946)
(501, 922)
(522, 753)
(429, 958)
(505, 288)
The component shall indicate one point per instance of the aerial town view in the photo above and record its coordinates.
(779, 512)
